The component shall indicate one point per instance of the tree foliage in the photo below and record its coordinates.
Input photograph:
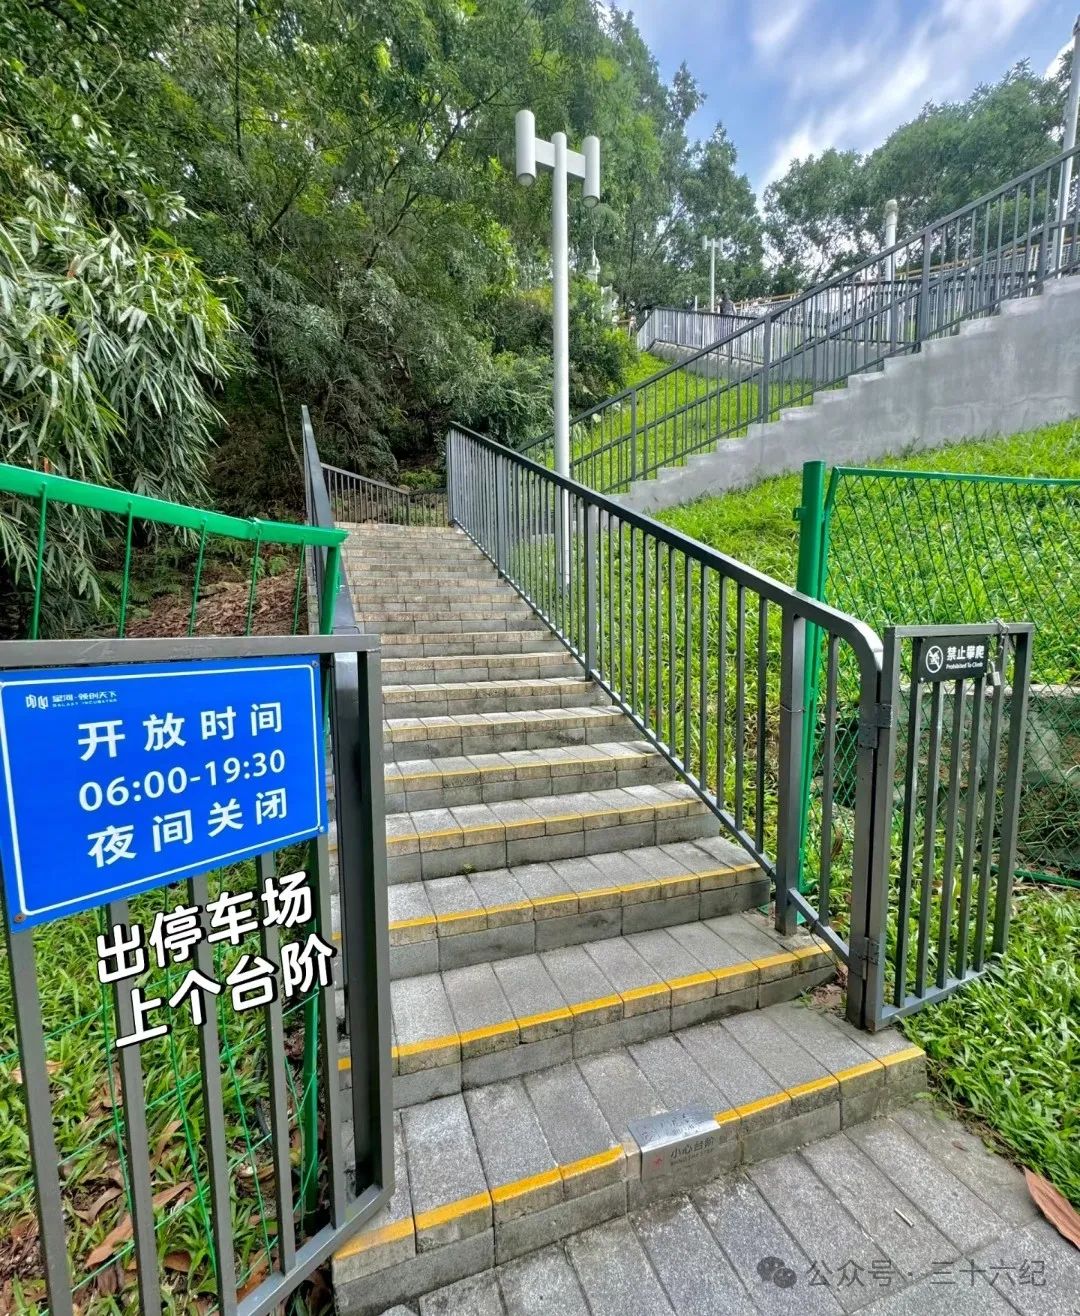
(827, 210)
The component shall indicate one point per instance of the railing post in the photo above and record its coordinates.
(592, 543)
(809, 580)
(633, 434)
(922, 322)
(792, 717)
(766, 362)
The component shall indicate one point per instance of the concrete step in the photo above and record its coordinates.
(462, 1028)
(476, 668)
(409, 625)
(492, 733)
(438, 596)
(386, 567)
(847, 1206)
(539, 640)
(451, 922)
(449, 698)
(520, 774)
(436, 604)
(505, 1169)
(456, 621)
(481, 837)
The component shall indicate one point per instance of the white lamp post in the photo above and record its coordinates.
(1068, 142)
(563, 163)
(710, 245)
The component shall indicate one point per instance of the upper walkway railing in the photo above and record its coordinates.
(1004, 245)
(673, 324)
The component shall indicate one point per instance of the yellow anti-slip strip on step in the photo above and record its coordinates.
(632, 1000)
(415, 780)
(657, 886)
(618, 813)
(520, 1189)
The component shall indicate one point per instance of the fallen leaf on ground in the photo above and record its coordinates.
(123, 1230)
(90, 1213)
(177, 1261)
(51, 1067)
(258, 1274)
(1057, 1209)
(167, 1134)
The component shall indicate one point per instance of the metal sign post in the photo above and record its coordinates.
(131, 765)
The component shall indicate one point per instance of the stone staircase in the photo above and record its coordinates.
(1006, 373)
(589, 1008)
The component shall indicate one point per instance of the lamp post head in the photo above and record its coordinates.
(591, 188)
(525, 147)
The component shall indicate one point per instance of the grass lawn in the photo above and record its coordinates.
(757, 526)
(1007, 1049)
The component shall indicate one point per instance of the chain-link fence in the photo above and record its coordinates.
(912, 547)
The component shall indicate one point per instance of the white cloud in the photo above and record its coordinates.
(851, 93)
(774, 23)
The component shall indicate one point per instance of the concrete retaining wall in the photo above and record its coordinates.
(1011, 372)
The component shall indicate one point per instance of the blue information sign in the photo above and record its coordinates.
(119, 779)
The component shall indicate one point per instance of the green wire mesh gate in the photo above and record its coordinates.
(897, 547)
(235, 577)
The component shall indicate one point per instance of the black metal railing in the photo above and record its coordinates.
(359, 498)
(1004, 245)
(710, 659)
(705, 655)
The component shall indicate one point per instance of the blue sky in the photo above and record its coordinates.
(792, 77)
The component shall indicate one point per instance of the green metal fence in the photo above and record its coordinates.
(904, 547)
(227, 576)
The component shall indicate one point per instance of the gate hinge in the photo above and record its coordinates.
(864, 952)
(881, 718)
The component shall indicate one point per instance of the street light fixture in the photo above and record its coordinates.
(563, 163)
(710, 245)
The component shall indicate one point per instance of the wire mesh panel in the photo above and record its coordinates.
(705, 655)
(202, 1170)
(936, 547)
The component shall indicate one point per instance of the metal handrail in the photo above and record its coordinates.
(1003, 245)
(705, 655)
(321, 514)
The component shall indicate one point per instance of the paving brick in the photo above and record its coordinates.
(621, 1090)
(512, 1148)
(484, 1019)
(964, 1155)
(513, 1238)
(572, 1121)
(741, 1080)
(479, 1295)
(879, 1206)
(760, 1250)
(962, 1217)
(543, 1282)
(533, 995)
(615, 1274)
(820, 1225)
(444, 1168)
(676, 1077)
(1019, 1262)
(697, 1277)
(421, 1012)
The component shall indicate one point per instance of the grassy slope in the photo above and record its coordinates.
(757, 526)
(1007, 1048)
